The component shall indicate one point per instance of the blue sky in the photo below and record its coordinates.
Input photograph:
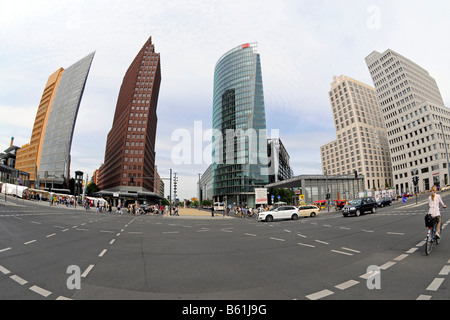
(303, 44)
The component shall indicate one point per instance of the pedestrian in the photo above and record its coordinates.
(434, 200)
(212, 211)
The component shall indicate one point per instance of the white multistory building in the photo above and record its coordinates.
(415, 118)
(361, 143)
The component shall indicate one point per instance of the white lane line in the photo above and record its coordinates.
(387, 265)
(301, 235)
(102, 253)
(445, 271)
(50, 235)
(35, 222)
(369, 274)
(319, 295)
(322, 242)
(370, 231)
(63, 298)
(420, 244)
(65, 230)
(434, 286)
(107, 231)
(277, 239)
(112, 241)
(19, 280)
(351, 250)
(86, 272)
(39, 290)
(4, 270)
(412, 250)
(345, 228)
(169, 232)
(6, 249)
(341, 252)
(347, 284)
(82, 229)
(401, 257)
(30, 242)
(424, 297)
(250, 234)
(306, 245)
(396, 233)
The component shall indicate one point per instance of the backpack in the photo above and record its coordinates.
(429, 221)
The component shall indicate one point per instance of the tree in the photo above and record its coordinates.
(92, 188)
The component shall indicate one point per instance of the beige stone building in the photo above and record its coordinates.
(415, 118)
(361, 143)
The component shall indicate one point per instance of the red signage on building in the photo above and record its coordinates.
(247, 45)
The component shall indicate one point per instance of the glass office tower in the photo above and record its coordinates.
(239, 142)
(55, 157)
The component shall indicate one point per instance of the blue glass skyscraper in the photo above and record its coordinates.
(239, 147)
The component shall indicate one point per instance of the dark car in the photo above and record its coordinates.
(360, 206)
(384, 202)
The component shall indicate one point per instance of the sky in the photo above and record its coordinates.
(303, 44)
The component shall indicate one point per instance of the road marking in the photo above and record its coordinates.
(434, 286)
(412, 250)
(319, 295)
(63, 298)
(19, 280)
(6, 249)
(347, 284)
(396, 233)
(301, 235)
(424, 297)
(226, 230)
(351, 250)
(30, 242)
(344, 228)
(112, 241)
(35, 222)
(364, 230)
(445, 271)
(250, 234)
(86, 272)
(106, 231)
(387, 265)
(65, 230)
(322, 242)
(277, 239)
(4, 270)
(39, 290)
(102, 253)
(420, 244)
(82, 229)
(306, 245)
(341, 252)
(173, 232)
(401, 257)
(369, 274)
(50, 235)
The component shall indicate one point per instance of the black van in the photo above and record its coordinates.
(360, 206)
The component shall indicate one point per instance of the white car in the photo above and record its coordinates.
(280, 213)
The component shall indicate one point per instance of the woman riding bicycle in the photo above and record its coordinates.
(434, 200)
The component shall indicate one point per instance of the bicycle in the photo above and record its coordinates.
(431, 237)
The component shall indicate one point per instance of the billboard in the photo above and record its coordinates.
(261, 196)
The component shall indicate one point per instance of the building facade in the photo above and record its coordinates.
(416, 120)
(361, 143)
(129, 165)
(239, 140)
(48, 153)
(279, 161)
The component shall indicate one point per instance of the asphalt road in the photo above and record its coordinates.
(195, 258)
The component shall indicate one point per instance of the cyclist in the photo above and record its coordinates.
(434, 200)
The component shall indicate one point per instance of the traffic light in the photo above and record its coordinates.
(415, 181)
(356, 174)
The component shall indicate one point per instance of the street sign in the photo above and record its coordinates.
(405, 199)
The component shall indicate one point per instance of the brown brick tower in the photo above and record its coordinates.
(129, 166)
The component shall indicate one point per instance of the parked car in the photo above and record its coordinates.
(308, 211)
(360, 206)
(280, 213)
(384, 202)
